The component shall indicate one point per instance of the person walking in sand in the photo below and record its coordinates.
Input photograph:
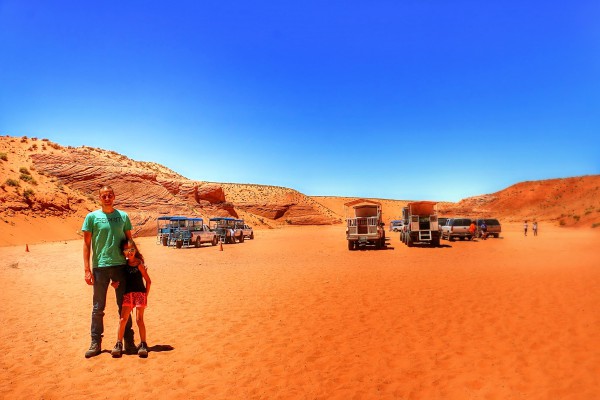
(135, 296)
(534, 227)
(103, 231)
(525, 226)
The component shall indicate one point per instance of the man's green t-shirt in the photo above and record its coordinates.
(108, 231)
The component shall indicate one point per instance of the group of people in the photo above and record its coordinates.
(534, 227)
(483, 227)
(111, 257)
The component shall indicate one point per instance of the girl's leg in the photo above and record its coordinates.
(139, 317)
(125, 311)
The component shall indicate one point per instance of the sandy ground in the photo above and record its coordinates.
(294, 315)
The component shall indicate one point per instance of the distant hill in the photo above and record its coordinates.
(47, 189)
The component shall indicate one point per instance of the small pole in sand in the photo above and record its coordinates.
(27, 248)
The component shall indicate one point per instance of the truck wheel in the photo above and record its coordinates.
(451, 238)
(409, 241)
(165, 241)
(350, 245)
(252, 235)
(241, 239)
(435, 242)
(179, 243)
(214, 241)
(197, 242)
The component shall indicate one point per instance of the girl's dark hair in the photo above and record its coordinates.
(131, 243)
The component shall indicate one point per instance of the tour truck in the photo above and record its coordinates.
(364, 224)
(180, 231)
(226, 229)
(421, 222)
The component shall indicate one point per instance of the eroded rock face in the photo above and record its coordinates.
(148, 191)
(210, 192)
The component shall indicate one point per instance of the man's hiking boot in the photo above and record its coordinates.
(130, 347)
(143, 350)
(117, 351)
(94, 350)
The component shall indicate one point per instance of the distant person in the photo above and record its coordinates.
(484, 232)
(472, 229)
(525, 226)
(534, 228)
(103, 231)
(135, 296)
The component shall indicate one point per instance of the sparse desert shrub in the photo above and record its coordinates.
(24, 171)
(12, 182)
(24, 139)
(576, 217)
(562, 222)
(33, 147)
(3, 157)
(28, 194)
(596, 224)
(28, 178)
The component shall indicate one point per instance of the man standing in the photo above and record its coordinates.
(103, 232)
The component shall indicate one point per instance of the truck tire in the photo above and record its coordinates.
(214, 241)
(241, 239)
(435, 242)
(198, 242)
(409, 241)
(350, 245)
(252, 235)
(165, 241)
(179, 243)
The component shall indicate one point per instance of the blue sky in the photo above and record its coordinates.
(436, 100)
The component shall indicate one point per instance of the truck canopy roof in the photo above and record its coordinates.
(422, 207)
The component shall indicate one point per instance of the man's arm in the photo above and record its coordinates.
(87, 251)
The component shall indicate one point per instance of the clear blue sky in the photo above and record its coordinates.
(436, 100)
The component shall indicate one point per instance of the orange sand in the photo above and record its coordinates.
(294, 315)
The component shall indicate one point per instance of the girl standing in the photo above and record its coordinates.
(136, 296)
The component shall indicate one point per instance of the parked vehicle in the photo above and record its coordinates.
(396, 225)
(247, 230)
(441, 222)
(364, 224)
(164, 229)
(422, 223)
(457, 228)
(225, 229)
(200, 233)
(493, 227)
(179, 231)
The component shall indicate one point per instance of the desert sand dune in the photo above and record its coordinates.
(294, 315)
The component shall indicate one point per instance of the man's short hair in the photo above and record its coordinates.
(106, 188)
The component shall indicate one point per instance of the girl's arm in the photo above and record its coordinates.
(146, 277)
